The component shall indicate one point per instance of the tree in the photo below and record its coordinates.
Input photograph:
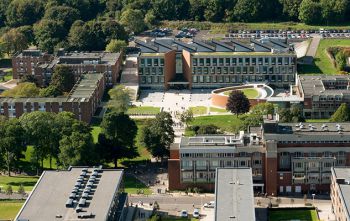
(39, 133)
(48, 33)
(29, 79)
(117, 139)
(14, 41)
(25, 89)
(3, 6)
(250, 120)
(79, 37)
(50, 91)
(334, 10)
(65, 14)
(341, 114)
(310, 12)
(12, 142)
(237, 103)
(63, 78)
(214, 10)
(8, 190)
(247, 10)
(158, 134)
(116, 46)
(285, 115)
(197, 8)
(77, 149)
(208, 129)
(164, 9)
(133, 19)
(263, 109)
(291, 8)
(341, 60)
(119, 99)
(293, 114)
(186, 117)
(150, 19)
(24, 12)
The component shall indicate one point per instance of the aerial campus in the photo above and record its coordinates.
(175, 110)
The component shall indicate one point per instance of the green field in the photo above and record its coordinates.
(287, 215)
(133, 185)
(250, 93)
(144, 110)
(200, 110)
(322, 63)
(28, 182)
(224, 122)
(218, 110)
(9, 209)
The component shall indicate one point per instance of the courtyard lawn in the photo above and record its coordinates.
(28, 182)
(218, 110)
(133, 185)
(9, 209)
(250, 93)
(199, 110)
(286, 215)
(322, 63)
(144, 110)
(317, 120)
(224, 122)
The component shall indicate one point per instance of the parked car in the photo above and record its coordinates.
(195, 213)
(184, 214)
(211, 204)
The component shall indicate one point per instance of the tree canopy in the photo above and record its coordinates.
(119, 99)
(25, 89)
(342, 114)
(237, 103)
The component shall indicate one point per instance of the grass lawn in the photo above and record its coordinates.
(46, 164)
(9, 209)
(284, 215)
(144, 110)
(250, 93)
(132, 185)
(322, 63)
(218, 110)
(96, 130)
(7, 77)
(225, 122)
(28, 182)
(199, 110)
(317, 120)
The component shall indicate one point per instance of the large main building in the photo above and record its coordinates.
(166, 63)
(285, 157)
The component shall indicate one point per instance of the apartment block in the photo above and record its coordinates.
(170, 63)
(323, 94)
(25, 62)
(285, 158)
(82, 101)
(340, 193)
(80, 62)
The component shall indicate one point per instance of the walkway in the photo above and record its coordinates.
(311, 52)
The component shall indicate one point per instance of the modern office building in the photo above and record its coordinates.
(323, 94)
(80, 62)
(167, 63)
(234, 197)
(82, 101)
(340, 193)
(284, 157)
(77, 194)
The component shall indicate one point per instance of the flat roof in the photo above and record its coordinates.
(53, 189)
(86, 57)
(314, 84)
(343, 173)
(315, 132)
(234, 198)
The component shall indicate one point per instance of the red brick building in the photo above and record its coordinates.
(41, 66)
(285, 158)
(82, 101)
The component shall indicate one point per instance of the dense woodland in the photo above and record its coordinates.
(92, 24)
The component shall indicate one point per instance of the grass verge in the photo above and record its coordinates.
(199, 110)
(282, 215)
(133, 185)
(28, 182)
(10, 208)
(144, 110)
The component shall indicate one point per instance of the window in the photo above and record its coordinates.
(242, 163)
(227, 61)
(155, 61)
(195, 61)
(215, 61)
(208, 62)
(298, 154)
(162, 62)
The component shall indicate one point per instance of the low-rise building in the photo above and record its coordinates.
(323, 94)
(284, 157)
(166, 63)
(340, 193)
(77, 194)
(82, 101)
(234, 197)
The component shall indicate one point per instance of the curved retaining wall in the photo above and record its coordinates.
(220, 100)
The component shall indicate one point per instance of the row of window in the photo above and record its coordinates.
(241, 78)
(152, 79)
(243, 61)
(151, 62)
(314, 141)
(244, 70)
(200, 164)
(220, 155)
(313, 154)
(151, 71)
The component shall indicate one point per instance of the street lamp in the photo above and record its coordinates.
(313, 199)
